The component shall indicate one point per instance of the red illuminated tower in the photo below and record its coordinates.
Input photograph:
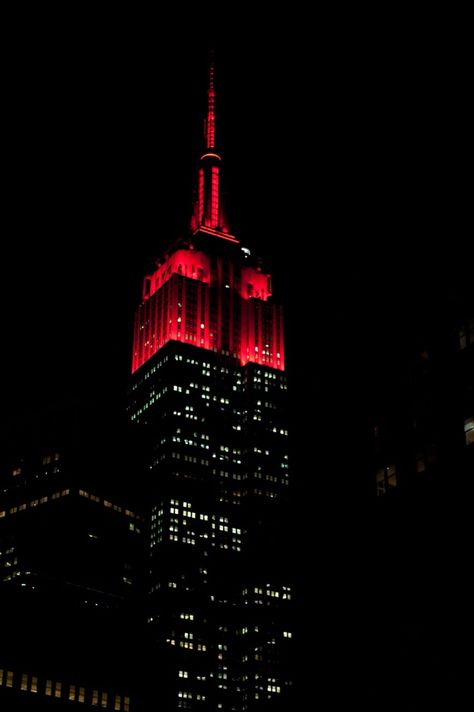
(207, 291)
(209, 389)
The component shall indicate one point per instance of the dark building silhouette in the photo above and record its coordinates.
(70, 563)
(394, 435)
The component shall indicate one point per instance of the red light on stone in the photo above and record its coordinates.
(215, 198)
(211, 155)
(189, 263)
(228, 310)
(182, 302)
(255, 284)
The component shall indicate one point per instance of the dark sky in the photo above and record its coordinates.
(343, 147)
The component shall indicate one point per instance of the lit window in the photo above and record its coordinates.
(469, 430)
(126, 704)
(95, 698)
(82, 694)
(9, 678)
(24, 682)
(117, 703)
(72, 692)
(386, 478)
(34, 684)
(104, 698)
(420, 462)
(49, 688)
(57, 689)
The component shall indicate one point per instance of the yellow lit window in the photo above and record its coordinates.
(469, 430)
(386, 478)
(1, 677)
(72, 692)
(420, 462)
(24, 682)
(9, 678)
(34, 684)
(57, 689)
(118, 701)
(95, 697)
(49, 688)
(103, 702)
(82, 694)
(126, 704)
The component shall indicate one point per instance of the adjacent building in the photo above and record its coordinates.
(70, 565)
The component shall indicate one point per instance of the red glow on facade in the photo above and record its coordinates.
(262, 334)
(214, 198)
(255, 284)
(211, 155)
(211, 301)
(217, 233)
(189, 263)
(200, 215)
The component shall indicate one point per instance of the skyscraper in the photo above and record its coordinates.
(209, 389)
(70, 552)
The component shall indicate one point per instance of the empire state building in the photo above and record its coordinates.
(209, 392)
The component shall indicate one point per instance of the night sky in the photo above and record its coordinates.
(342, 152)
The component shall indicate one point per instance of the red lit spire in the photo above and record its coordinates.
(210, 299)
(211, 109)
(208, 214)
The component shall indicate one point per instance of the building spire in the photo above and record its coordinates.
(211, 108)
(208, 214)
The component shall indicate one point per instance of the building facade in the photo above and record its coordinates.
(209, 389)
(70, 566)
